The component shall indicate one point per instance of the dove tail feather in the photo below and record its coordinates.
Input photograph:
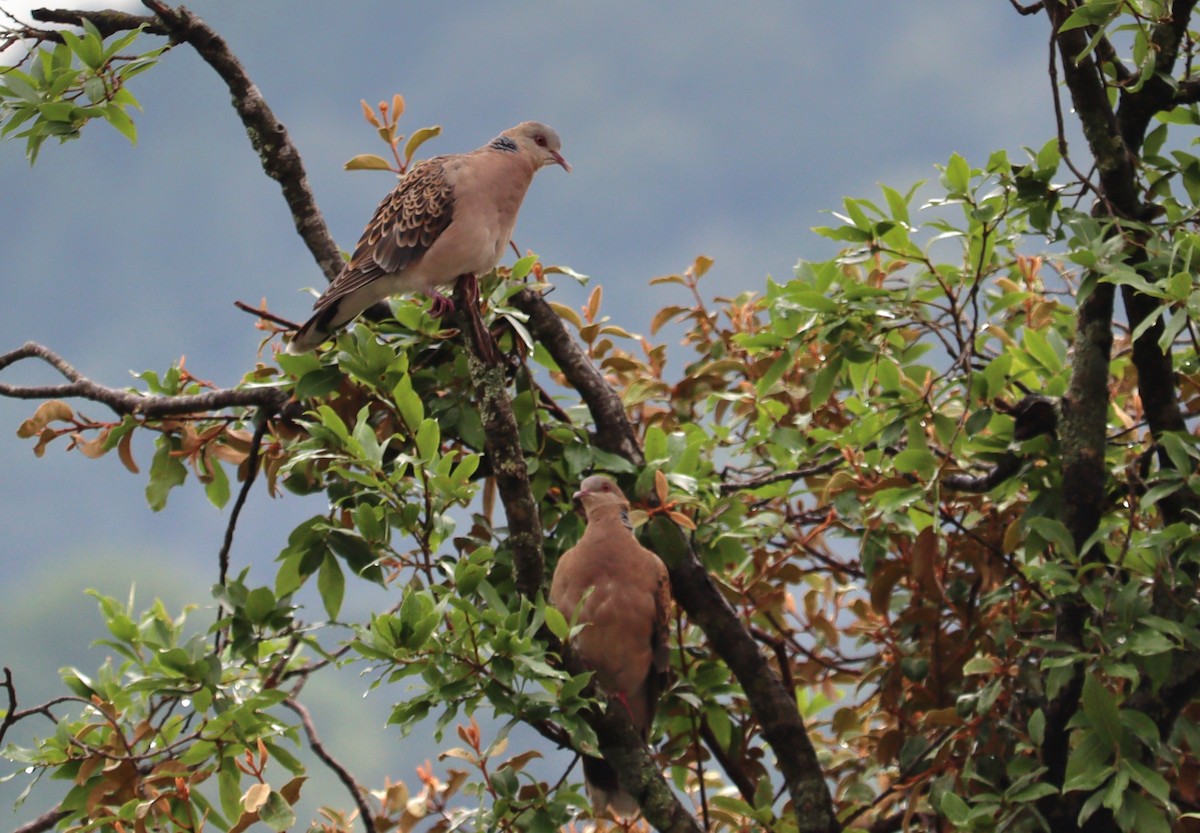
(604, 789)
(315, 330)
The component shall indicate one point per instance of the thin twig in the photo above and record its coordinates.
(781, 476)
(318, 748)
(260, 429)
(10, 716)
(266, 316)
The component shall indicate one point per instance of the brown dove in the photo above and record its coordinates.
(449, 216)
(624, 640)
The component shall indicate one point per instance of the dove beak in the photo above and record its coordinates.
(558, 160)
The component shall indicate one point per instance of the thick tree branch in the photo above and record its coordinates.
(502, 443)
(280, 158)
(614, 433)
(1137, 108)
(125, 402)
(1089, 94)
(107, 21)
(46, 821)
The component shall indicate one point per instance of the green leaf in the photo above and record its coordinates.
(1091, 13)
(277, 813)
(367, 162)
(115, 115)
(418, 138)
(94, 89)
(412, 410)
(523, 266)
(957, 175)
(1037, 726)
(1150, 781)
(331, 584)
(217, 487)
(428, 439)
(1100, 706)
(557, 623)
(166, 472)
(21, 85)
(919, 461)
(954, 808)
(260, 604)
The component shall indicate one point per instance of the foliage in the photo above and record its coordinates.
(871, 460)
(61, 89)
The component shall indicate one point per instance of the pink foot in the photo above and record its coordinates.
(442, 306)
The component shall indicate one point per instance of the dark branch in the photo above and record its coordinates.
(318, 748)
(1156, 94)
(977, 484)
(45, 821)
(1032, 8)
(10, 715)
(107, 21)
(280, 158)
(125, 402)
(728, 488)
(614, 433)
(732, 767)
(502, 442)
(223, 556)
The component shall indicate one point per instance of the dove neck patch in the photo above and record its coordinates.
(503, 143)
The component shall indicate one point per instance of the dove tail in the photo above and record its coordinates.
(315, 330)
(604, 789)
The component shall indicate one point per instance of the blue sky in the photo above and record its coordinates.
(693, 128)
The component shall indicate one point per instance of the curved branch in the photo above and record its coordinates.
(343, 775)
(126, 402)
(107, 21)
(614, 433)
(280, 158)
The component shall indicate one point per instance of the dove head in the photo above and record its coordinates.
(598, 491)
(538, 142)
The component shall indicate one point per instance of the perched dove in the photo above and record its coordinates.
(625, 638)
(449, 216)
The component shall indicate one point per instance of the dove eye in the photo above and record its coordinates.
(540, 140)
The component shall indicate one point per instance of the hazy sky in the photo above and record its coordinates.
(693, 128)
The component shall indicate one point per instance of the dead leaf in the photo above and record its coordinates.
(55, 410)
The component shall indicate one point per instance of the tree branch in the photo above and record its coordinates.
(614, 433)
(126, 402)
(502, 442)
(280, 158)
(1137, 108)
(107, 21)
(45, 821)
(343, 775)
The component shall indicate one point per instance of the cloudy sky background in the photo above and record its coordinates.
(693, 128)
